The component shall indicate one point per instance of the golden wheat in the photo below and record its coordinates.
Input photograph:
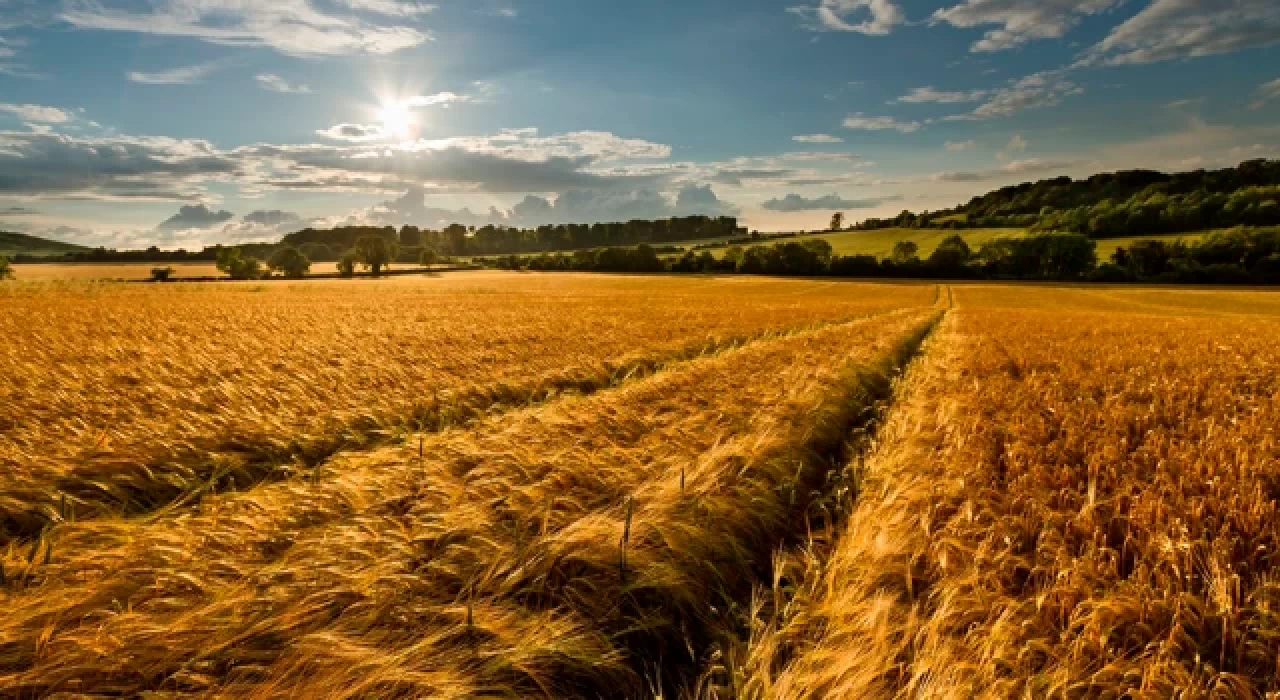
(123, 398)
(1069, 504)
(552, 550)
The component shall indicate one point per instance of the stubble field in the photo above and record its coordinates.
(572, 486)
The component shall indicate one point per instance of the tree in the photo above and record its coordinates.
(6, 269)
(290, 262)
(375, 253)
(821, 248)
(952, 253)
(347, 264)
(238, 266)
(428, 257)
(904, 252)
(162, 274)
(837, 221)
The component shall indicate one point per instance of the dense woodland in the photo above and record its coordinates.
(1115, 205)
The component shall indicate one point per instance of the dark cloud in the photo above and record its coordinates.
(272, 217)
(832, 202)
(195, 217)
(52, 164)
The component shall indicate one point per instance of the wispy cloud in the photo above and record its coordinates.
(862, 122)
(390, 8)
(1015, 168)
(926, 95)
(874, 17)
(1265, 93)
(1173, 29)
(185, 75)
(274, 83)
(38, 114)
(956, 146)
(293, 27)
(1020, 21)
(817, 138)
(1035, 91)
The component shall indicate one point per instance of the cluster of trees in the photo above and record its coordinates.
(374, 252)
(1129, 203)
(458, 240)
(1230, 257)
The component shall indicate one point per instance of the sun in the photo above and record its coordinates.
(397, 121)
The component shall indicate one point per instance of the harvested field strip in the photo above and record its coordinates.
(107, 430)
(553, 550)
(1098, 518)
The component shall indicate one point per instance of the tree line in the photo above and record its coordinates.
(456, 240)
(1122, 204)
(1233, 257)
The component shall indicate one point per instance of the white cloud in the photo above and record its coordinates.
(1172, 29)
(293, 27)
(1020, 21)
(865, 123)
(960, 145)
(38, 114)
(390, 8)
(441, 99)
(1017, 144)
(185, 75)
(274, 83)
(925, 95)
(817, 138)
(1265, 93)
(878, 17)
(526, 144)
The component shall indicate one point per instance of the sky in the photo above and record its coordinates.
(182, 123)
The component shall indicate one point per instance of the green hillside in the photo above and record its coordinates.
(12, 244)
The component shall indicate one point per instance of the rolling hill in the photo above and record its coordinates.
(12, 244)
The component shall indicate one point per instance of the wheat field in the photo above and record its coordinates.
(518, 485)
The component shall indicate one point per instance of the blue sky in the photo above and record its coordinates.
(187, 122)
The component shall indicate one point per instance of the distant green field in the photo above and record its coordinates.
(880, 243)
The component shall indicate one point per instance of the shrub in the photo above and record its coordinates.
(6, 269)
(238, 266)
(162, 274)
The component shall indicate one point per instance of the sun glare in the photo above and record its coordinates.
(397, 121)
